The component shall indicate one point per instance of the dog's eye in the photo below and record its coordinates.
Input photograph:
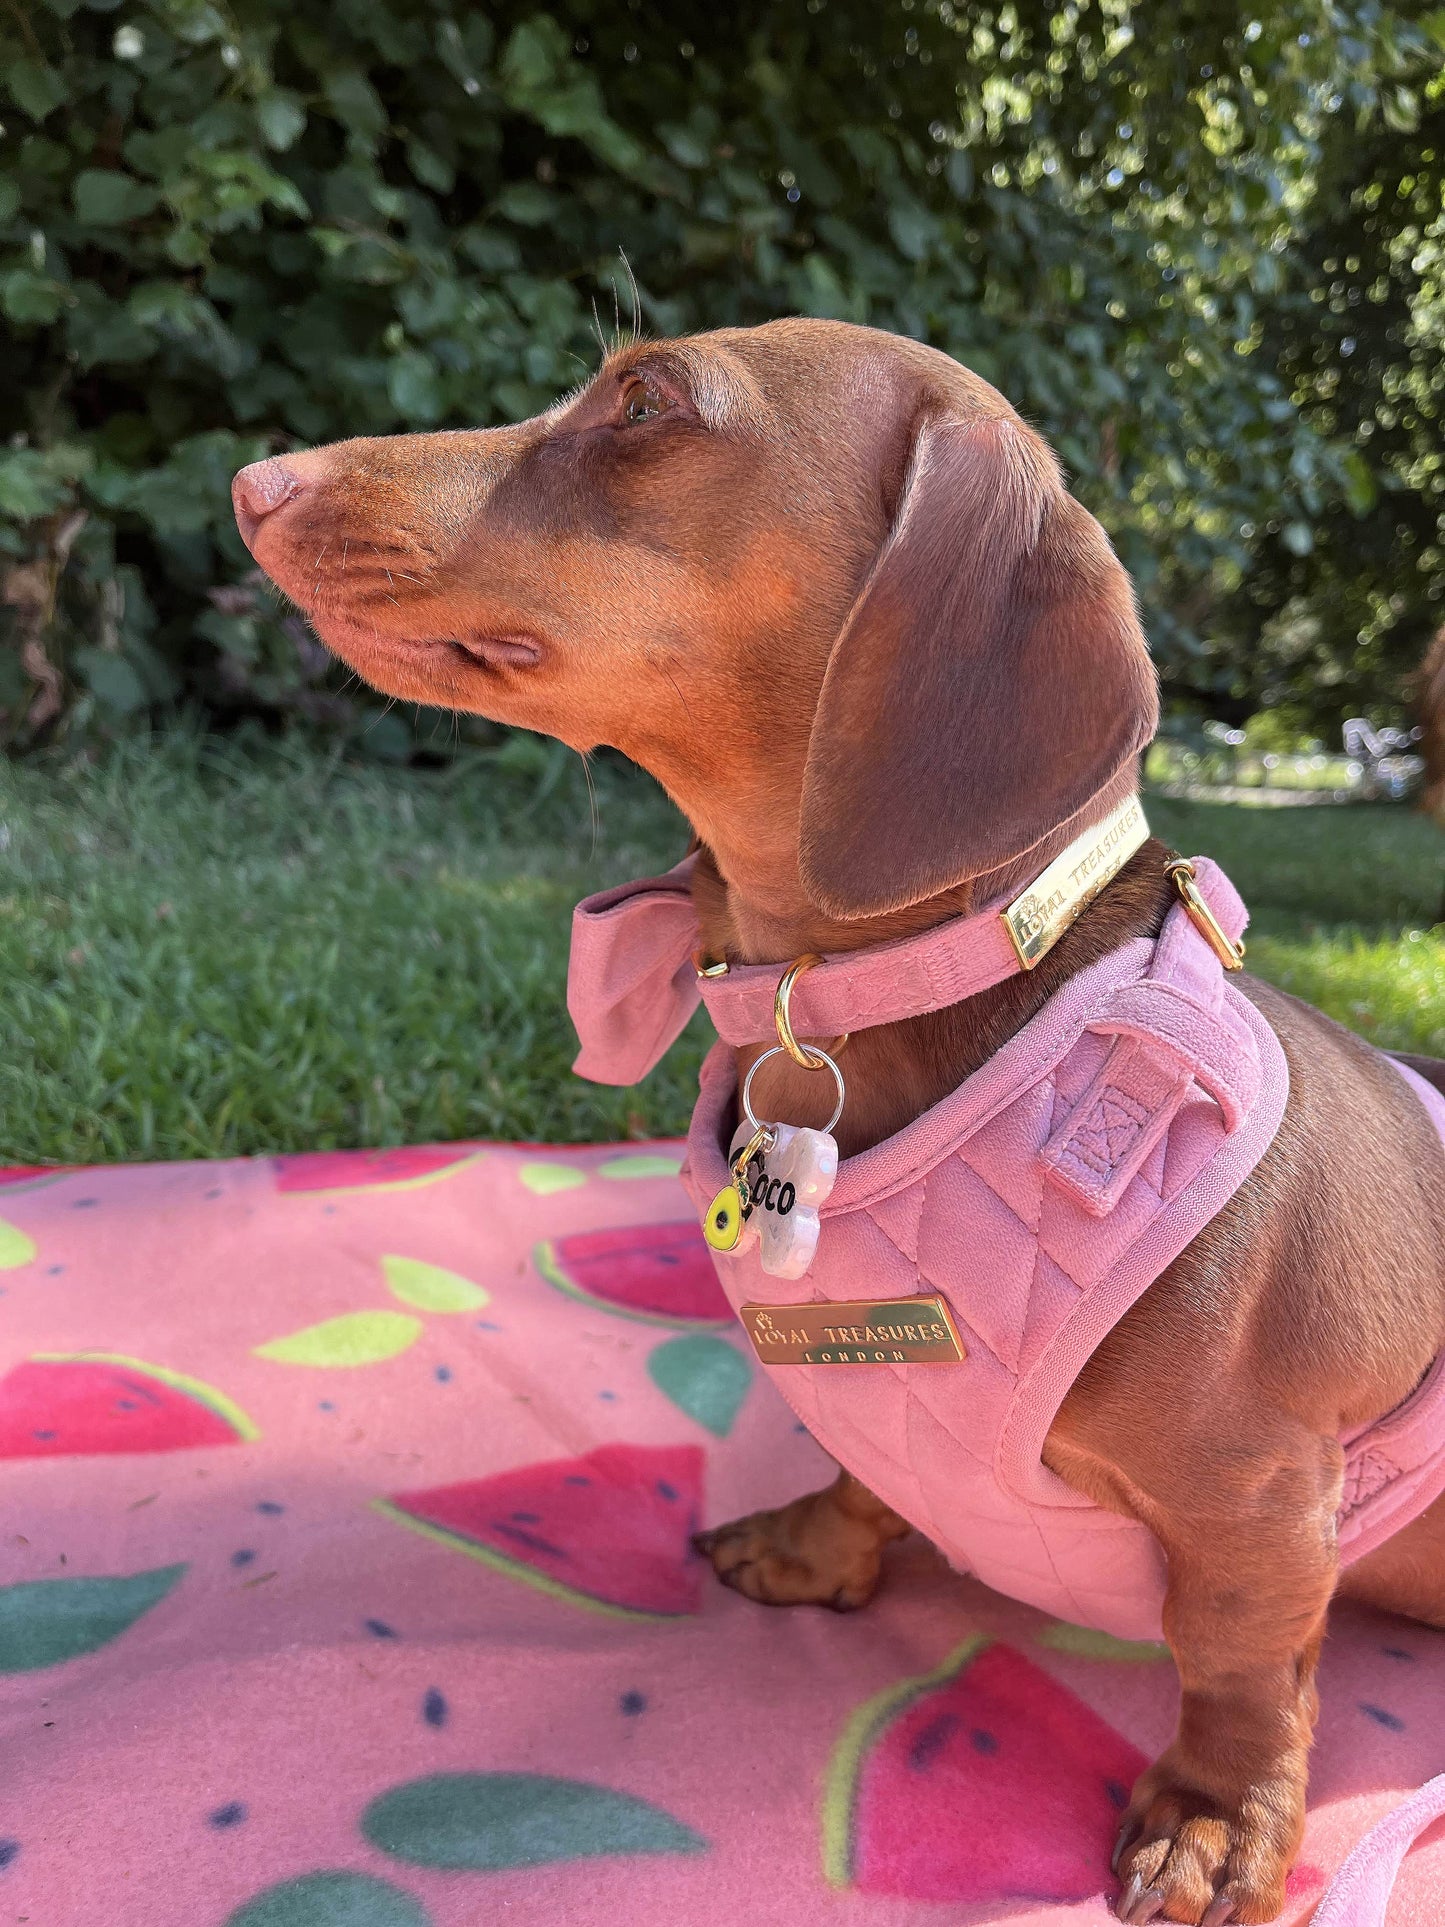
(642, 401)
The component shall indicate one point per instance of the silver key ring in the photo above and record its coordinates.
(777, 1050)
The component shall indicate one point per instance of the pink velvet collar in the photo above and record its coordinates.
(632, 986)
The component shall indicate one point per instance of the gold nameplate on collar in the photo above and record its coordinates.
(856, 1331)
(1037, 919)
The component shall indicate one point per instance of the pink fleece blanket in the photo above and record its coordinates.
(345, 1582)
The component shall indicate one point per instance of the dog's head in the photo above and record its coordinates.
(823, 581)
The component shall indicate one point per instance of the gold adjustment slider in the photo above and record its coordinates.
(1180, 872)
(810, 1060)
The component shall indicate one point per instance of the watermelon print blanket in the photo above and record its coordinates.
(345, 1581)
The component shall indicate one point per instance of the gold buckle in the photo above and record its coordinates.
(1180, 872)
(782, 1017)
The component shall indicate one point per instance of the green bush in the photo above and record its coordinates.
(231, 226)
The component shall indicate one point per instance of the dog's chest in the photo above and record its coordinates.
(1033, 1206)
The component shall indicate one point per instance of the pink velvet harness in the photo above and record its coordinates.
(1040, 1198)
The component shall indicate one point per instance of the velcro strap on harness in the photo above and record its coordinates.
(1173, 1029)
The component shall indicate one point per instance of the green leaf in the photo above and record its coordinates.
(532, 55)
(112, 679)
(281, 118)
(429, 167)
(430, 1287)
(486, 1821)
(913, 229)
(415, 388)
(705, 1377)
(960, 172)
(1361, 490)
(107, 198)
(332, 1899)
(46, 1621)
(339, 1344)
(356, 104)
(29, 487)
(527, 204)
(9, 199)
(35, 87)
(27, 297)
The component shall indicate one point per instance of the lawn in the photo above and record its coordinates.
(208, 950)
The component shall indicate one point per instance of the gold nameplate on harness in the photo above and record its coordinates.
(856, 1331)
(1040, 916)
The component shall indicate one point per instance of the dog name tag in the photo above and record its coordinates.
(785, 1184)
(858, 1331)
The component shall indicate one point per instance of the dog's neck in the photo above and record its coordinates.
(768, 918)
(897, 1071)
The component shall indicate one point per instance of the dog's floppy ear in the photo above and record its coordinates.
(990, 679)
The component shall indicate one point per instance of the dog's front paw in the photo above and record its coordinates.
(809, 1553)
(1185, 1857)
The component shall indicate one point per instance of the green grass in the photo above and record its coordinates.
(208, 952)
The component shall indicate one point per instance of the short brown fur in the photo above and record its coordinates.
(833, 594)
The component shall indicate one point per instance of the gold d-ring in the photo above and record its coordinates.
(782, 1017)
(1180, 872)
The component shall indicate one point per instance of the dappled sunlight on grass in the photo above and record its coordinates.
(1390, 990)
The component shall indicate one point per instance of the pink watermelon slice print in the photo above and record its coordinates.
(406, 1167)
(982, 1782)
(661, 1273)
(610, 1531)
(65, 1405)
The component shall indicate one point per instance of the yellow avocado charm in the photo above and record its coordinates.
(723, 1225)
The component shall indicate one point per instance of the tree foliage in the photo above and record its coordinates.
(232, 226)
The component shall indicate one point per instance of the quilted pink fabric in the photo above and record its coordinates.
(1040, 1199)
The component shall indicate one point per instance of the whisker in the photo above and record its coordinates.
(586, 761)
(636, 297)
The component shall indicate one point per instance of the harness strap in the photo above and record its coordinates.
(1173, 1029)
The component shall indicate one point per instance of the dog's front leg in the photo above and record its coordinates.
(1214, 1825)
(825, 1549)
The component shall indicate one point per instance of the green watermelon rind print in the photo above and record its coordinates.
(196, 1388)
(544, 1257)
(19, 1187)
(517, 1569)
(1083, 1642)
(864, 1725)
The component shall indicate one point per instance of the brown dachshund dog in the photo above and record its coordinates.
(828, 587)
